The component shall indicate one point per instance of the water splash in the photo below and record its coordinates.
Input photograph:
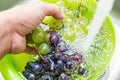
(103, 9)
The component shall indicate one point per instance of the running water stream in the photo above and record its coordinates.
(103, 9)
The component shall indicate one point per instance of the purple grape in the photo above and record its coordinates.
(54, 56)
(63, 58)
(69, 64)
(47, 77)
(78, 58)
(28, 75)
(57, 56)
(54, 38)
(35, 67)
(60, 63)
(60, 56)
(61, 46)
(58, 69)
(63, 77)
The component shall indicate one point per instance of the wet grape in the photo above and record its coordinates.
(35, 67)
(57, 56)
(61, 46)
(78, 58)
(47, 77)
(69, 65)
(29, 75)
(54, 38)
(60, 63)
(63, 58)
(58, 69)
(43, 48)
(47, 38)
(38, 36)
(69, 35)
(63, 77)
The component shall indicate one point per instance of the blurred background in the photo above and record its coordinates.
(114, 69)
(116, 9)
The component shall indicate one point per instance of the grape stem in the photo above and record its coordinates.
(39, 53)
(57, 50)
(52, 63)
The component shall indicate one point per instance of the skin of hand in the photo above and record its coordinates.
(16, 22)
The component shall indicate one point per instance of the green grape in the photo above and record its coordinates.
(53, 23)
(85, 30)
(82, 21)
(69, 14)
(43, 48)
(47, 38)
(38, 36)
(77, 28)
(47, 20)
(69, 35)
(37, 29)
(68, 21)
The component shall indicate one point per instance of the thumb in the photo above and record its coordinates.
(51, 10)
(32, 15)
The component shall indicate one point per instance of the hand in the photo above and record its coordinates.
(15, 23)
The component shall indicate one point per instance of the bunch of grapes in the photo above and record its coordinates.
(54, 63)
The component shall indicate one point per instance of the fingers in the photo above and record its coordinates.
(18, 43)
(23, 20)
(51, 10)
(31, 16)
